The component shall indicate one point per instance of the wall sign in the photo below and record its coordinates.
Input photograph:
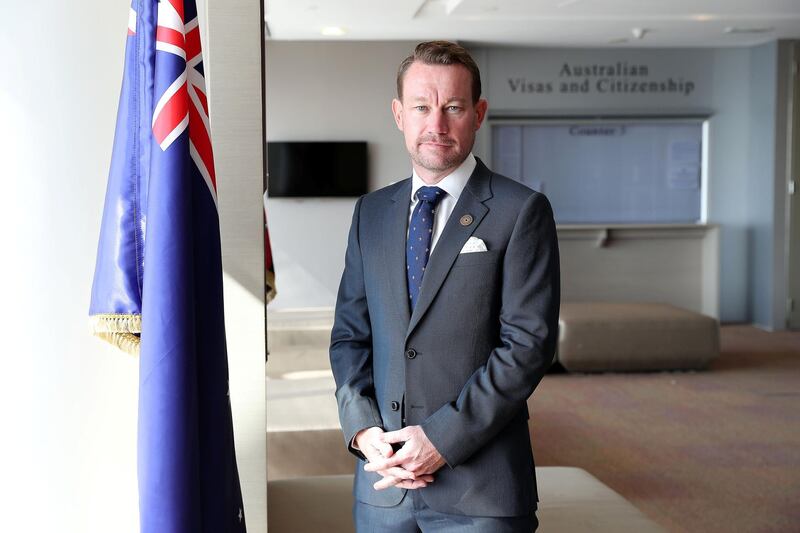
(618, 78)
(521, 79)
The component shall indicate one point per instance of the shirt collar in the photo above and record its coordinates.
(453, 183)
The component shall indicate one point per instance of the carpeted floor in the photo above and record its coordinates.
(713, 451)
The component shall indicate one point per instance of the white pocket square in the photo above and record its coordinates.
(474, 244)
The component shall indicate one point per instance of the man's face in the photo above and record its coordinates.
(437, 117)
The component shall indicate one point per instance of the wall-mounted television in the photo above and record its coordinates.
(314, 169)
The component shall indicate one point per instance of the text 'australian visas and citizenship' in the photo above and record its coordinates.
(616, 78)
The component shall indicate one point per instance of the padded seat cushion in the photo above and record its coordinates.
(608, 336)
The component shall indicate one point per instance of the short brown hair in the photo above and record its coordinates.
(441, 53)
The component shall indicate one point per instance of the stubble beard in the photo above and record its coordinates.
(438, 163)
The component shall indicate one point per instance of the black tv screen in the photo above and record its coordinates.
(308, 169)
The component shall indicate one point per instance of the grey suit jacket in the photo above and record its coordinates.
(462, 366)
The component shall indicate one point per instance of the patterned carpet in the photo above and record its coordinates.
(713, 451)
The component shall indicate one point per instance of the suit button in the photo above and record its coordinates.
(411, 354)
(395, 406)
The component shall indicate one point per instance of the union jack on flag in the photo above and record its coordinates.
(184, 102)
(157, 287)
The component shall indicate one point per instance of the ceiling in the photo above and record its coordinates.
(571, 23)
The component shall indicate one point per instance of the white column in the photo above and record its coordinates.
(233, 75)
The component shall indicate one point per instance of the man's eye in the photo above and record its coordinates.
(421, 108)
(453, 108)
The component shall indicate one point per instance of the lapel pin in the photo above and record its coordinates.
(466, 220)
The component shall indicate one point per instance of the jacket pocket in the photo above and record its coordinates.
(477, 258)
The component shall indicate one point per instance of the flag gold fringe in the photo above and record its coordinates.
(118, 330)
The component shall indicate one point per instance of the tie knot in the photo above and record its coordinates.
(430, 194)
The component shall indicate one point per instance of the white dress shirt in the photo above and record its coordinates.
(452, 185)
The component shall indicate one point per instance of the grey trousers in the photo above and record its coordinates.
(412, 515)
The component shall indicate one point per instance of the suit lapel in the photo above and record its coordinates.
(452, 239)
(395, 249)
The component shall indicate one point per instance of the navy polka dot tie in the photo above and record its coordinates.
(420, 232)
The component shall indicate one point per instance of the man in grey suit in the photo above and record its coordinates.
(446, 320)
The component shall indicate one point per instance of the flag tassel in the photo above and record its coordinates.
(121, 331)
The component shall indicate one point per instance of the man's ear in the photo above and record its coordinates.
(480, 112)
(397, 112)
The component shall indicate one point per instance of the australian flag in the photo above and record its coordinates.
(158, 279)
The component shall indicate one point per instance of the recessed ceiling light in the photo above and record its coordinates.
(333, 31)
(702, 17)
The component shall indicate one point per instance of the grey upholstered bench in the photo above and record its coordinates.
(572, 501)
(607, 336)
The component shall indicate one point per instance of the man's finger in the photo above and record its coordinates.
(384, 448)
(401, 435)
(418, 483)
(398, 472)
(409, 484)
(384, 463)
(385, 483)
(375, 449)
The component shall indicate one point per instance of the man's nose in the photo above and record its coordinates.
(437, 121)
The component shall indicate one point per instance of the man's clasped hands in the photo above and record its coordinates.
(410, 467)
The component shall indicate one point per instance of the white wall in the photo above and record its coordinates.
(729, 137)
(70, 441)
(68, 451)
(760, 191)
(766, 186)
(328, 91)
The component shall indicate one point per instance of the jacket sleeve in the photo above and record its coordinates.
(351, 346)
(528, 332)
